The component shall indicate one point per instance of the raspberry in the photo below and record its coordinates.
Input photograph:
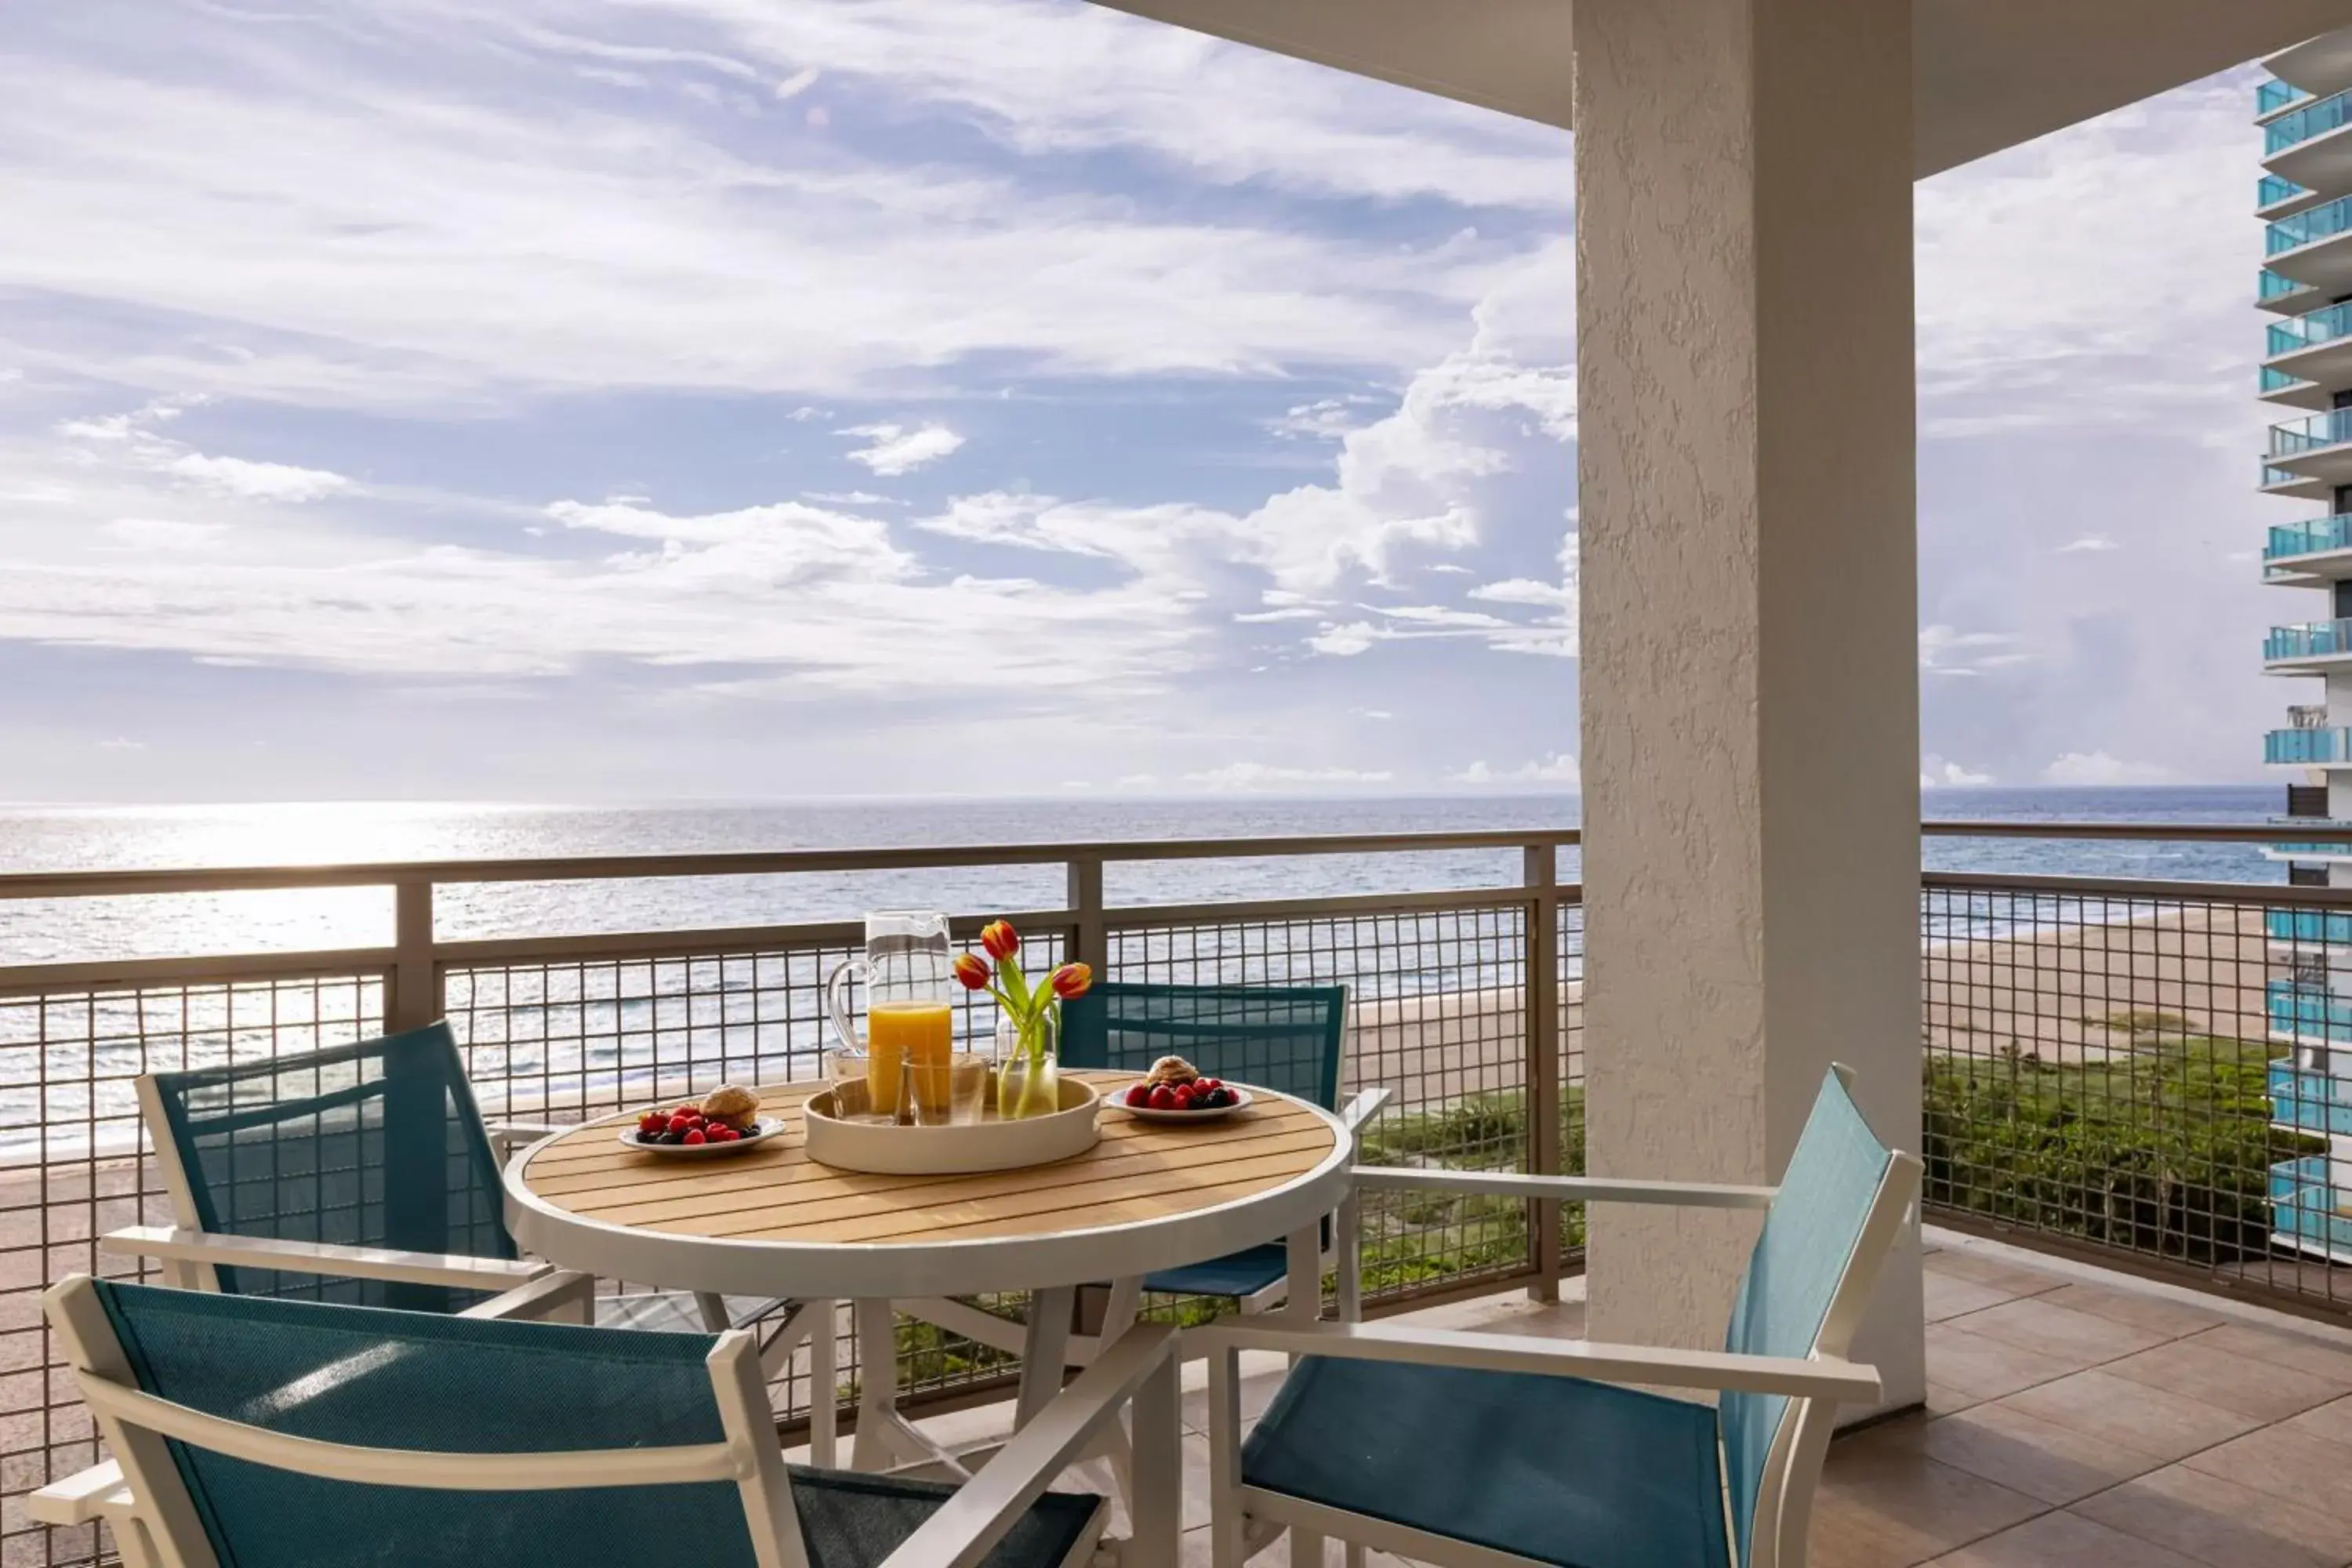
(1163, 1098)
(680, 1123)
(1139, 1095)
(693, 1136)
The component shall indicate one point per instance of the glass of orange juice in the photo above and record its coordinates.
(922, 1036)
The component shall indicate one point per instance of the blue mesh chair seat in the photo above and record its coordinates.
(439, 1387)
(1283, 1037)
(1564, 1471)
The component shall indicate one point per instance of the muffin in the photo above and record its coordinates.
(733, 1104)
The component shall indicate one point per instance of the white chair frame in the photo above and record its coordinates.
(141, 1496)
(191, 1257)
(1245, 1519)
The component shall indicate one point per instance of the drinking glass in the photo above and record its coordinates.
(853, 1089)
(950, 1093)
(908, 970)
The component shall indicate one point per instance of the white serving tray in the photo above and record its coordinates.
(987, 1144)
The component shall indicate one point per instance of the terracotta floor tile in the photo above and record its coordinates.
(1949, 1295)
(1966, 1263)
(2332, 1421)
(2285, 1462)
(2081, 1338)
(2262, 1389)
(2148, 1312)
(2117, 1410)
(2221, 1522)
(1885, 1505)
(2041, 1458)
(2063, 1540)
(1984, 1368)
(2285, 1347)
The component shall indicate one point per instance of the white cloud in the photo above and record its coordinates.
(2088, 768)
(165, 534)
(1554, 768)
(2088, 544)
(1345, 641)
(254, 481)
(1937, 772)
(133, 439)
(894, 449)
(1267, 775)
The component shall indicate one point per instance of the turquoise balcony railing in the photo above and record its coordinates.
(2310, 1101)
(2311, 328)
(2274, 189)
(2315, 537)
(2307, 748)
(2314, 639)
(2299, 1010)
(2278, 477)
(2303, 1204)
(2275, 95)
(2312, 120)
(2279, 381)
(2310, 927)
(2270, 285)
(2332, 428)
(2303, 228)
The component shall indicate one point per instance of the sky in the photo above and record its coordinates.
(620, 400)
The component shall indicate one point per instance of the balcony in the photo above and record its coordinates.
(2319, 551)
(2309, 927)
(2300, 748)
(2270, 97)
(2275, 197)
(2314, 644)
(2316, 449)
(2314, 1102)
(2308, 356)
(2308, 1013)
(2313, 248)
(2306, 143)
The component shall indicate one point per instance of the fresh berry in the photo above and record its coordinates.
(651, 1122)
(722, 1134)
(1185, 1097)
(687, 1111)
(693, 1137)
(680, 1123)
(1139, 1095)
(671, 1137)
(1163, 1098)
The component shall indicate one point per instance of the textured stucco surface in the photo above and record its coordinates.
(1749, 707)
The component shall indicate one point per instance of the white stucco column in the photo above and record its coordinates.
(1746, 470)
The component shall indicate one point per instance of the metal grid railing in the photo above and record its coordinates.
(71, 1169)
(2144, 1072)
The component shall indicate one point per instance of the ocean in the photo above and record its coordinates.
(73, 839)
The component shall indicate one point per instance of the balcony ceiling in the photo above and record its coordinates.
(1988, 73)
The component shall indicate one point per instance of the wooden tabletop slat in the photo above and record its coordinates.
(809, 1184)
(1138, 1170)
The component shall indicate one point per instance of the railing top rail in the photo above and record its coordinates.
(742, 863)
(2315, 832)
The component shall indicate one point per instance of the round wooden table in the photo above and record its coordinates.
(772, 1222)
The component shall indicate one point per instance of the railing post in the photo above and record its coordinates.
(1089, 939)
(414, 997)
(1540, 873)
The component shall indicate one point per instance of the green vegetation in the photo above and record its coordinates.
(1422, 1239)
(2166, 1148)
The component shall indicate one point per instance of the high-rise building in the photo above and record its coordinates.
(2304, 112)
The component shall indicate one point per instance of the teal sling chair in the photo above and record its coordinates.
(252, 1432)
(364, 1173)
(1488, 1448)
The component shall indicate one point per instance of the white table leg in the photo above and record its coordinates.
(1044, 1350)
(875, 1447)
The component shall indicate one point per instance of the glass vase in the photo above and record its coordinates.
(1028, 1070)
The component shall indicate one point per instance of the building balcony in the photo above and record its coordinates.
(2308, 357)
(2314, 1102)
(2300, 748)
(2307, 145)
(2302, 1010)
(2310, 928)
(2273, 96)
(2314, 644)
(2310, 69)
(2284, 295)
(2306, 1212)
(2313, 248)
(2301, 553)
(2317, 449)
(2276, 198)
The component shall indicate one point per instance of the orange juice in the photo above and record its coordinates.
(926, 1032)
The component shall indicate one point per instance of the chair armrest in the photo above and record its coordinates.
(180, 1245)
(1362, 1107)
(971, 1523)
(98, 1492)
(1720, 1370)
(560, 1295)
(1568, 1189)
(508, 1136)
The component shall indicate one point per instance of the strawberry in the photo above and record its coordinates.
(1163, 1098)
(694, 1136)
(651, 1122)
(680, 1123)
(1139, 1095)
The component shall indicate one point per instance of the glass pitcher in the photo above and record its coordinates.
(908, 973)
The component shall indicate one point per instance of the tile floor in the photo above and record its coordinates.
(2073, 1419)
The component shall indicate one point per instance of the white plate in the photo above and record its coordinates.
(1145, 1113)
(765, 1128)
